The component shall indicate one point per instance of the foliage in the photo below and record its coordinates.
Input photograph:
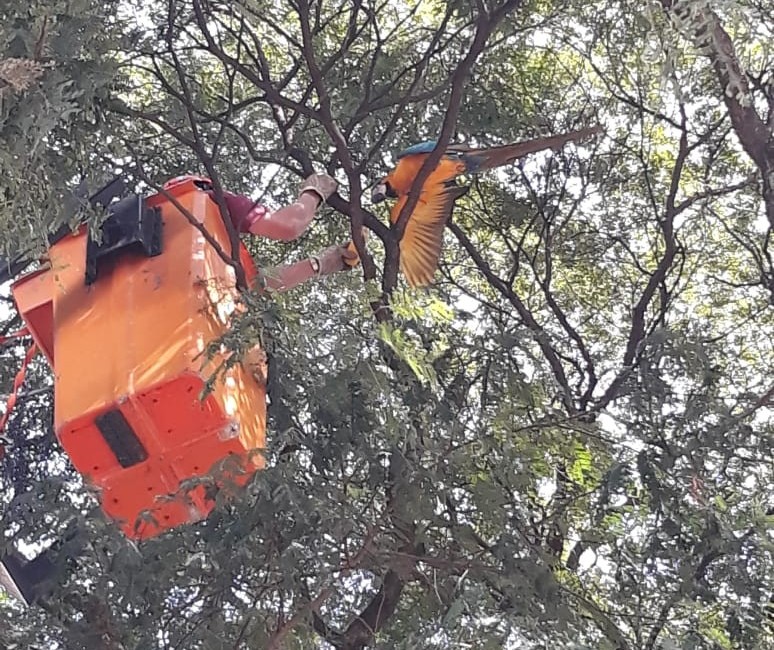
(566, 442)
(56, 60)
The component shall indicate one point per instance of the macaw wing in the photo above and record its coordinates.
(420, 247)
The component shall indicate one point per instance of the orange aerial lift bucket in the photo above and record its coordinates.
(125, 323)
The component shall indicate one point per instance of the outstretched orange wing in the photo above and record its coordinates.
(420, 247)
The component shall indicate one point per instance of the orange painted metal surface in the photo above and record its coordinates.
(133, 343)
(34, 297)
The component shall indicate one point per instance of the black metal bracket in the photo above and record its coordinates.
(130, 225)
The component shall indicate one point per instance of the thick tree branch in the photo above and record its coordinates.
(541, 336)
(712, 40)
(589, 371)
(637, 331)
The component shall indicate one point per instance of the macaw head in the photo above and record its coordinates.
(382, 191)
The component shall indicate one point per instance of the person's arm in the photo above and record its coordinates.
(288, 223)
(331, 260)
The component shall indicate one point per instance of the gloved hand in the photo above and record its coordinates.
(321, 184)
(336, 258)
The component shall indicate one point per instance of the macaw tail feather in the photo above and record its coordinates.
(478, 160)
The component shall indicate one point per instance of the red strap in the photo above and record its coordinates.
(14, 335)
(17, 383)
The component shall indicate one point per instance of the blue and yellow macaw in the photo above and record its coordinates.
(420, 247)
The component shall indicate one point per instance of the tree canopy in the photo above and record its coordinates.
(564, 442)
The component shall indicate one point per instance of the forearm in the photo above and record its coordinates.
(282, 278)
(290, 222)
(332, 260)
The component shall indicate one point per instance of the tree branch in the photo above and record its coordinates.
(541, 336)
(712, 40)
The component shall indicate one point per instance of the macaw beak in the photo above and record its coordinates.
(381, 192)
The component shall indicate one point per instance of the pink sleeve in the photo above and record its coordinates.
(244, 211)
